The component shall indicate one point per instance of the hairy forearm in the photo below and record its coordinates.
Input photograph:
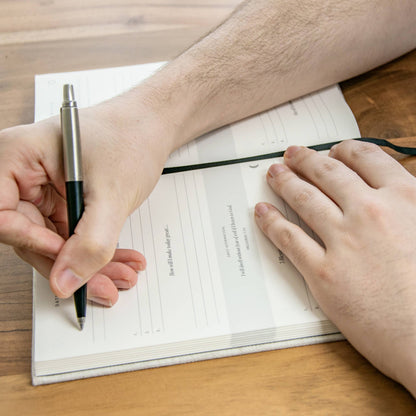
(271, 51)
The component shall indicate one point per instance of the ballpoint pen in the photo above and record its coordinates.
(73, 180)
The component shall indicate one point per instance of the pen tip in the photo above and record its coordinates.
(69, 92)
(81, 322)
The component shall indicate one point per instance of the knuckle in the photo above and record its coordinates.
(325, 273)
(285, 238)
(28, 243)
(324, 168)
(372, 209)
(374, 214)
(97, 251)
(303, 197)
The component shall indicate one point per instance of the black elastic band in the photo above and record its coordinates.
(411, 151)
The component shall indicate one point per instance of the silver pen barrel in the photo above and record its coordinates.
(71, 136)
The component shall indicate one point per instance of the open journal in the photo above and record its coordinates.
(214, 285)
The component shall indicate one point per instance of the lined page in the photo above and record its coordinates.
(211, 274)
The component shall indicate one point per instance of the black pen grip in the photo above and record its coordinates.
(75, 206)
(75, 203)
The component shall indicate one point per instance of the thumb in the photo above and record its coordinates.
(88, 250)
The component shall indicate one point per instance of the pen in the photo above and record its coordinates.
(73, 180)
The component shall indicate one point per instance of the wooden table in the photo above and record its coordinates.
(329, 379)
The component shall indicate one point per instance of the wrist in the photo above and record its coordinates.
(159, 108)
(139, 116)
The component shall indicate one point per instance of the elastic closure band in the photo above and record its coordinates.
(411, 151)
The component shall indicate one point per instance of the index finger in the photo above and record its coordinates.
(18, 231)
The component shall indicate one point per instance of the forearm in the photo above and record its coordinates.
(269, 52)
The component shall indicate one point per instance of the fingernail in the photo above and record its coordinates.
(122, 284)
(136, 266)
(101, 301)
(68, 282)
(291, 151)
(275, 169)
(261, 209)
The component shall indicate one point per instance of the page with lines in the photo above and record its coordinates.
(211, 275)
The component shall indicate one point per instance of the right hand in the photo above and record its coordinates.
(361, 204)
(123, 156)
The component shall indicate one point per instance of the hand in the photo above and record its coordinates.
(362, 205)
(122, 159)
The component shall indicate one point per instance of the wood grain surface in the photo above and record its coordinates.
(328, 379)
